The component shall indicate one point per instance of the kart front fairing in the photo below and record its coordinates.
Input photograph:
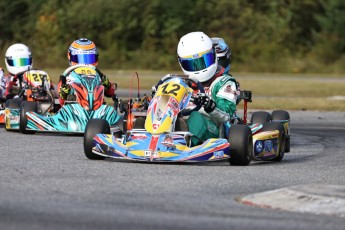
(171, 97)
(167, 147)
(70, 118)
(159, 141)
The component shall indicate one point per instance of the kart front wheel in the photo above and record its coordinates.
(270, 126)
(241, 145)
(260, 117)
(26, 106)
(94, 127)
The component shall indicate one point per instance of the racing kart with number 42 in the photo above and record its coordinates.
(164, 139)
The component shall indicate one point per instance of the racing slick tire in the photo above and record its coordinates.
(270, 126)
(260, 117)
(26, 106)
(139, 123)
(241, 144)
(13, 103)
(283, 115)
(93, 127)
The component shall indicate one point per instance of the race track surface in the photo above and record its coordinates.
(46, 182)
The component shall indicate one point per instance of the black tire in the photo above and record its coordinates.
(270, 126)
(260, 117)
(241, 145)
(278, 115)
(93, 127)
(13, 103)
(139, 123)
(26, 106)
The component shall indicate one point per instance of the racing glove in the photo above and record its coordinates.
(207, 102)
(104, 79)
(63, 79)
(153, 91)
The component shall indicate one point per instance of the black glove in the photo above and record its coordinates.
(101, 74)
(208, 103)
(153, 91)
(63, 79)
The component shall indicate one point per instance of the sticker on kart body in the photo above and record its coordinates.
(149, 153)
(218, 154)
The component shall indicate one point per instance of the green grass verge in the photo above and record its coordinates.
(270, 91)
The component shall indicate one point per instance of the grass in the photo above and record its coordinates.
(270, 91)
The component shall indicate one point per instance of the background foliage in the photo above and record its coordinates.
(265, 36)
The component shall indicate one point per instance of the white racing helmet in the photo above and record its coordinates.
(18, 59)
(197, 56)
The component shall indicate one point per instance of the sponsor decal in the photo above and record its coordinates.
(173, 104)
(159, 114)
(259, 147)
(138, 136)
(151, 154)
(268, 145)
(228, 89)
(168, 142)
(218, 154)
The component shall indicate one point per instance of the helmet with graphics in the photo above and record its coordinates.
(197, 56)
(82, 51)
(223, 53)
(18, 59)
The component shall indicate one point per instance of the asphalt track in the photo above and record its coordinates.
(47, 183)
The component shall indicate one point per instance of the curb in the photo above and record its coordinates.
(315, 199)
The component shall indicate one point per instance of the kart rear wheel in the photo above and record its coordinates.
(282, 115)
(241, 145)
(139, 123)
(270, 126)
(260, 117)
(26, 106)
(94, 127)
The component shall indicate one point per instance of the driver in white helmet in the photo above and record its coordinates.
(18, 60)
(198, 59)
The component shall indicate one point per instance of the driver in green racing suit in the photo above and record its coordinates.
(197, 58)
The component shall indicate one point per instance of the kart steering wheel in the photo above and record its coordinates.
(73, 67)
(189, 81)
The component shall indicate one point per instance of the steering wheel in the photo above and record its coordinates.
(189, 81)
(73, 67)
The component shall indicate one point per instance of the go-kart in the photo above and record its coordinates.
(85, 102)
(164, 139)
(35, 88)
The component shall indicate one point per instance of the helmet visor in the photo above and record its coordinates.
(198, 62)
(88, 59)
(18, 62)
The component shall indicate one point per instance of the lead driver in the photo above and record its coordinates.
(197, 58)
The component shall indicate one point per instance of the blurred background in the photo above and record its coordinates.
(285, 36)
